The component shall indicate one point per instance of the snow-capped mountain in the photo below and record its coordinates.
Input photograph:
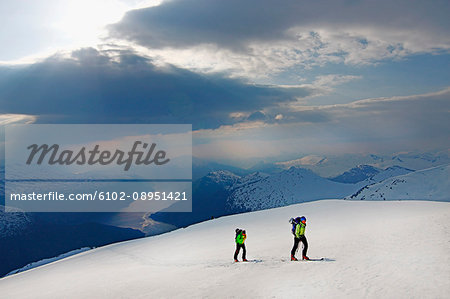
(306, 160)
(357, 174)
(428, 184)
(223, 177)
(332, 166)
(364, 175)
(420, 160)
(201, 167)
(389, 172)
(222, 193)
(288, 187)
(364, 258)
(249, 179)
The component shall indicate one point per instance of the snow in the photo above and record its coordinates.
(334, 165)
(291, 186)
(250, 179)
(307, 160)
(387, 173)
(357, 174)
(428, 184)
(395, 249)
(48, 261)
(258, 191)
(224, 177)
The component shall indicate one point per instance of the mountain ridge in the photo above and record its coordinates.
(428, 184)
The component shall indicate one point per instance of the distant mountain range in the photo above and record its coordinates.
(357, 174)
(369, 174)
(333, 166)
(201, 167)
(428, 184)
(222, 192)
(298, 185)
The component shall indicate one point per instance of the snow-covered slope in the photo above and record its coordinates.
(428, 184)
(288, 187)
(48, 260)
(373, 251)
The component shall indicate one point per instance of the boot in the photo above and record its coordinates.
(293, 258)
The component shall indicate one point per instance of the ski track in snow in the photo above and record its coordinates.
(374, 249)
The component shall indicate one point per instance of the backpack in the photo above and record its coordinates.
(294, 223)
(238, 232)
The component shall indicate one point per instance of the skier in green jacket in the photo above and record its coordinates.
(240, 239)
(299, 236)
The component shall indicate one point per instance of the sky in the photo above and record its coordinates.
(256, 79)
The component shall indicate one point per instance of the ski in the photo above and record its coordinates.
(315, 260)
(249, 261)
(310, 260)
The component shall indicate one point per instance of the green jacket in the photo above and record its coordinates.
(300, 230)
(241, 238)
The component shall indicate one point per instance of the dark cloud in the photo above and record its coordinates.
(91, 87)
(234, 24)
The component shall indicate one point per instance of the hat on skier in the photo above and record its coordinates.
(303, 219)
